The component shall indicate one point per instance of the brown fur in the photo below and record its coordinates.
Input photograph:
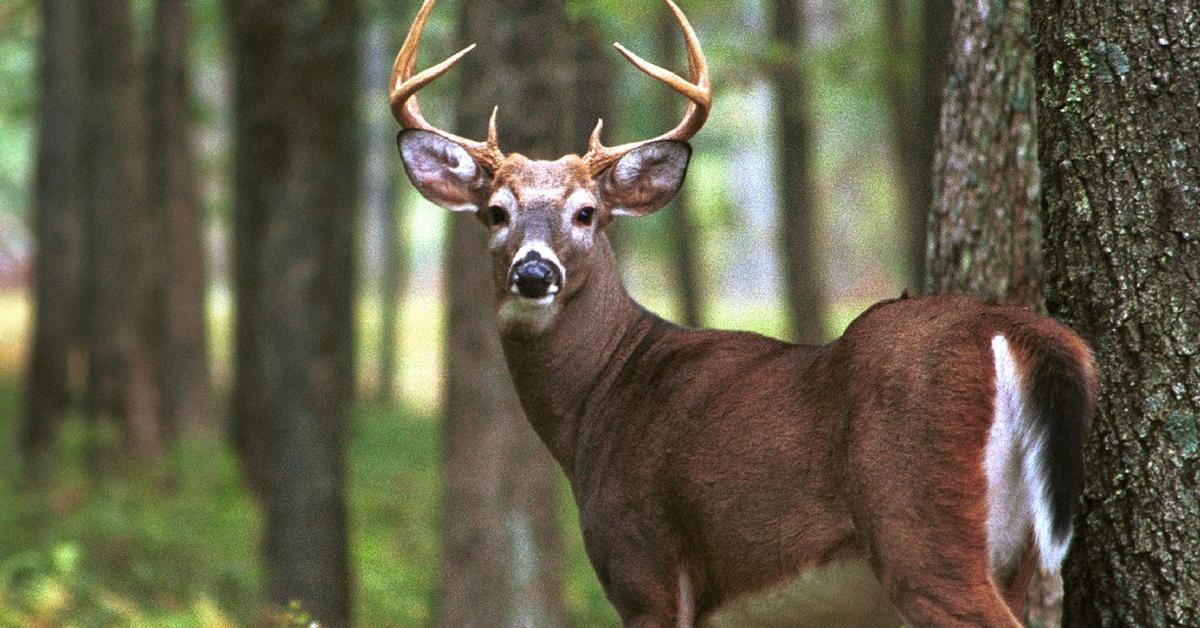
(710, 465)
(744, 459)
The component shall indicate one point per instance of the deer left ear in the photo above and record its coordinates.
(645, 178)
(442, 170)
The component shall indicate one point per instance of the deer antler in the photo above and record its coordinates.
(698, 90)
(404, 87)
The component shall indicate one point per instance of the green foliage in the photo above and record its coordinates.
(18, 100)
(136, 550)
(78, 550)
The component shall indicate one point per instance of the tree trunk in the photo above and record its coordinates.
(183, 340)
(296, 175)
(914, 114)
(1117, 119)
(679, 211)
(798, 245)
(58, 231)
(984, 234)
(501, 551)
(984, 228)
(382, 193)
(122, 388)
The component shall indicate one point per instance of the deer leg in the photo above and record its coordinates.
(1016, 585)
(929, 549)
(644, 599)
(937, 574)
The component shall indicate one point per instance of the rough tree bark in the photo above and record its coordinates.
(802, 276)
(179, 247)
(984, 234)
(501, 551)
(684, 254)
(914, 108)
(296, 168)
(1119, 87)
(119, 281)
(58, 231)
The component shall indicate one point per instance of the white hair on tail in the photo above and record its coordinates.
(1017, 492)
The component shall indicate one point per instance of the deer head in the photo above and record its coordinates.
(545, 218)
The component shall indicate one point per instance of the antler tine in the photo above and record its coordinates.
(698, 91)
(404, 87)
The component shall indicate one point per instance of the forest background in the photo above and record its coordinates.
(247, 374)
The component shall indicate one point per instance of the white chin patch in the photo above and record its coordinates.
(546, 300)
(531, 314)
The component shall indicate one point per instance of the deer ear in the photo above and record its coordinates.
(442, 171)
(645, 178)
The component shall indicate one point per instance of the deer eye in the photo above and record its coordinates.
(584, 216)
(496, 216)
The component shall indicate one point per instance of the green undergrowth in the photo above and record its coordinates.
(178, 545)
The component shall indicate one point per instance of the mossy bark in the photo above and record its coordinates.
(1118, 89)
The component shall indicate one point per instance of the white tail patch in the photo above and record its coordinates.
(1017, 493)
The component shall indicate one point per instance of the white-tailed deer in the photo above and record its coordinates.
(913, 470)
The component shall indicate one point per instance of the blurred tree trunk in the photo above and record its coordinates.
(183, 341)
(913, 108)
(393, 280)
(119, 281)
(58, 231)
(501, 551)
(679, 212)
(798, 244)
(984, 234)
(296, 169)
(382, 196)
(1117, 119)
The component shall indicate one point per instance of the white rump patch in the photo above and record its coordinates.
(1016, 493)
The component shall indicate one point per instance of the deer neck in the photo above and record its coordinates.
(557, 372)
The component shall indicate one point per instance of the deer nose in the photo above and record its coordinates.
(534, 278)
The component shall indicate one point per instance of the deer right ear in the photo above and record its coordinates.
(645, 178)
(441, 170)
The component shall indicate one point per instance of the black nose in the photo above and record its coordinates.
(533, 278)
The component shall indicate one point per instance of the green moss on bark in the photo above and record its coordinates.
(1118, 89)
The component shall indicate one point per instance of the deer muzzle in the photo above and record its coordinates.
(535, 276)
